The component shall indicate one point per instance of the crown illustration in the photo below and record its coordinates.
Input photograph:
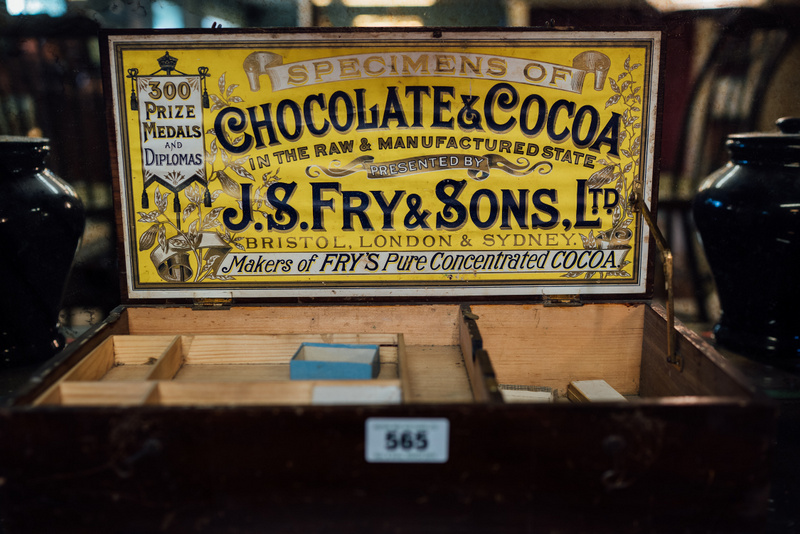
(167, 63)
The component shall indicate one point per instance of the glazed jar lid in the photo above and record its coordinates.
(768, 148)
(19, 153)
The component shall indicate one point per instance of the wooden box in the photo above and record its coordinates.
(178, 414)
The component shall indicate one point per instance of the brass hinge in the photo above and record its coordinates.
(563, 300)
(212, 304)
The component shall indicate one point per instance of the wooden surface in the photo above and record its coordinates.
(269, 348)
(534, 345)
(171, 359)
(253, 372)
(280, 393)
(436, 374)
(136, 350)
(105, 393)
(232, 373)
(421, 324)
(705, 371)
(633, 468)
(96, 364)
(128, 373)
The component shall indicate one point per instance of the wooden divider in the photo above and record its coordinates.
(95, 365)
(105, 393)
(169, 361)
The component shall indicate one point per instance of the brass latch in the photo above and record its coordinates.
(666, 259)
(212, 304)
(562, 300)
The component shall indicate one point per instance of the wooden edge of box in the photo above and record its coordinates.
(659, 378)
(53, 370)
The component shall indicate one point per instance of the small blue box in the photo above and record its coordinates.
(333, 361)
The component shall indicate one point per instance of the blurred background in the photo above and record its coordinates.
(731, 66)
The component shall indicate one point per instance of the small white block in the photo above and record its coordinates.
(349, 395)
(595, 391)
(523, 395)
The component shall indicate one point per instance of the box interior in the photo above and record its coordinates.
(181, 356)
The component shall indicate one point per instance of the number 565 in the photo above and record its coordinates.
(406, 440)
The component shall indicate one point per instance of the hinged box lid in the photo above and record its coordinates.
(349, 164)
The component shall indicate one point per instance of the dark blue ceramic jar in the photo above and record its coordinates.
(41, 223)
(748, 217)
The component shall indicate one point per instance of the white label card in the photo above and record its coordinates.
(406, 440)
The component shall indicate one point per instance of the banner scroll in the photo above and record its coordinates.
(429, 63)
(170, 107)
(477, 167)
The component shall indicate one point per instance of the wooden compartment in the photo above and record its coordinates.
(208, 370)
(173, 360)
(623, 344)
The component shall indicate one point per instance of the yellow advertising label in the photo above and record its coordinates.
(384, 163)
